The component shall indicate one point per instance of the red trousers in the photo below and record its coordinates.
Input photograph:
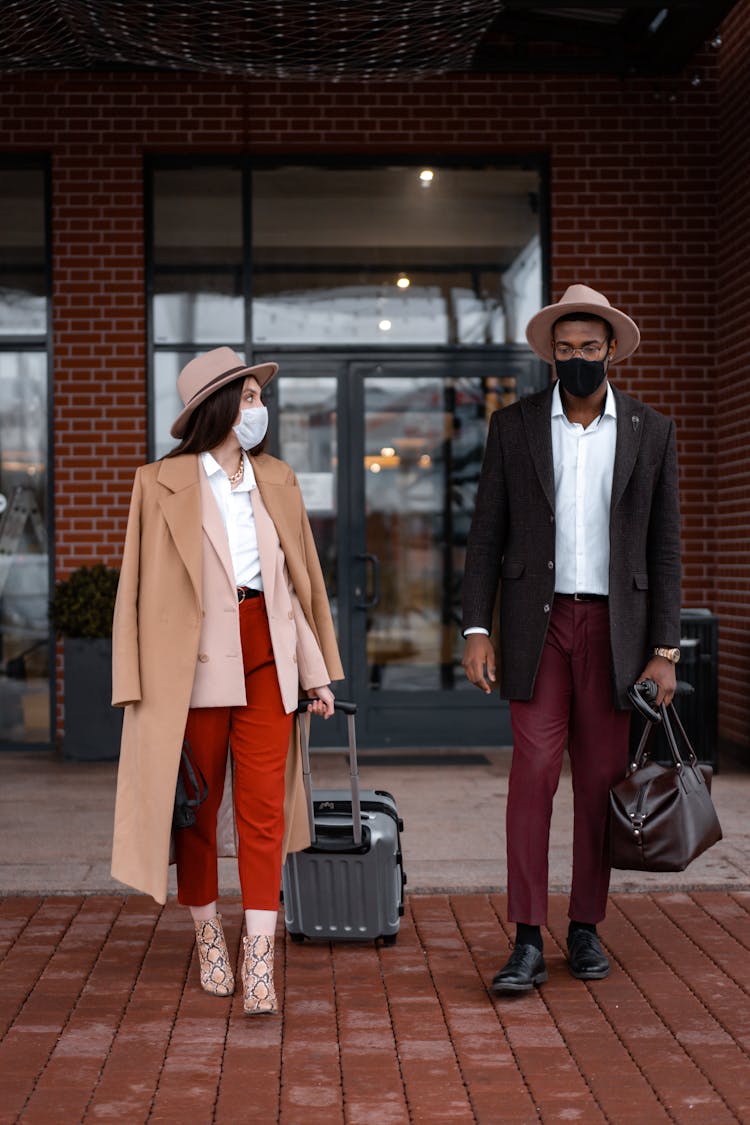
(259, 735)
(572, 703)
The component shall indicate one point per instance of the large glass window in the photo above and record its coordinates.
(394, 298)
(394, 255)
(198, 244)
(24, 541)
(301, 255)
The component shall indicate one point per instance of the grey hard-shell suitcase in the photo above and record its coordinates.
(349, 884)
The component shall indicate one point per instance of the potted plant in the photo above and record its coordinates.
(81, 613)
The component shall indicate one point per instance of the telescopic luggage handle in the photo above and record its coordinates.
(350, 710)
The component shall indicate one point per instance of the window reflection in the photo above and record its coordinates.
(207, 308)
(23, 277)
(331, 247)
(198, 240)
(308, 442)
(24, 562)
(423, 453)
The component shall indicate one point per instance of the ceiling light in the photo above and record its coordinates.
(403, 282)
(426, 177)
(384, 325)
(374, 467)
(425, 461)
(387, 451)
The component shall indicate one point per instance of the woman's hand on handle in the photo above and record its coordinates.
(323, 701)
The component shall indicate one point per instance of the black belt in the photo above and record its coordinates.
(245, 592)
(585, 597)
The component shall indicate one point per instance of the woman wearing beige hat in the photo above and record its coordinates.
(221, 622)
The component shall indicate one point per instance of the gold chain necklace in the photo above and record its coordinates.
(237, 477)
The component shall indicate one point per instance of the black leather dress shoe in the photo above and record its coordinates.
(524, 969)
(587, 960)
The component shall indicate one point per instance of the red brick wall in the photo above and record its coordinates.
(731, 386)
(634, 200)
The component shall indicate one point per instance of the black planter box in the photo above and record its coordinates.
(92, 725)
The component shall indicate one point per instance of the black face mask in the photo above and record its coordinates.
(580, 377)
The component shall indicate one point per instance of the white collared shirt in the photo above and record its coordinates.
(237, 513)
(583, 461)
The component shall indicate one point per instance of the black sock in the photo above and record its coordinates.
(529, 935)
(590, 926)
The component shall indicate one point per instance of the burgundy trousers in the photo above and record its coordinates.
(259, 737)
(572, 704)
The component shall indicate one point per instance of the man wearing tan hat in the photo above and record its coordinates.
(577, 523)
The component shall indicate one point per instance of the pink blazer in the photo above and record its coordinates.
(219, 678)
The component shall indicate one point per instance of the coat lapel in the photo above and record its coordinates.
(181, 506)
(277, 500)
(536, 414)
(268, 545)
(213, 526)
(630, 420)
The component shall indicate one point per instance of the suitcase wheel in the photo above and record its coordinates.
(296, 938)
(389, 939)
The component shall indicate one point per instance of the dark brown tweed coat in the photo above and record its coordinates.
(512, 541)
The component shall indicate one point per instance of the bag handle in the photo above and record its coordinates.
(642, 694)
(191, 768)
(666, 716)
(350, 710)
(692, 757)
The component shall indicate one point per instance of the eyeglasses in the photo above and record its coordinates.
(588, 351)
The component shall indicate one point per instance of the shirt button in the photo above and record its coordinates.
(290, 615)
(203, 657)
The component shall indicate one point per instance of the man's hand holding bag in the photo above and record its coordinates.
(661, 817)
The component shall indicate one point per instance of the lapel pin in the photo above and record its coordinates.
(635, 420)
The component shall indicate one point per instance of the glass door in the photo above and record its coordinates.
(26, 647)
(388, 455)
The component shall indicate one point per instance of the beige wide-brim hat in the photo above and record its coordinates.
(206, 373)
(580, 298)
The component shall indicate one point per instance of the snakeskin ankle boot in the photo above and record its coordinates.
(216, 972)
(257, 976)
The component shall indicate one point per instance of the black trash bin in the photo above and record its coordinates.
(698, 709)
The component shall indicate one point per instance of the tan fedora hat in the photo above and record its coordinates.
(206, 373)
(580, 298)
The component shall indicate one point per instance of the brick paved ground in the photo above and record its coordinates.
(102, 1019)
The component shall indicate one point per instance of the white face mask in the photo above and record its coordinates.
(252, 427)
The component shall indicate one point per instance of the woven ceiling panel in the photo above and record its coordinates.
(332, 39)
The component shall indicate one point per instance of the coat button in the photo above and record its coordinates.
(546, 609)
(203, 657)
(550, 565)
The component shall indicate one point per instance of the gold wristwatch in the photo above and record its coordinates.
(671, 654)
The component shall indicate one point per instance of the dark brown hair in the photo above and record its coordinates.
(585, 316)
(212, 420)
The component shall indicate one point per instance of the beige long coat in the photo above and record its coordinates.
(175, 643)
